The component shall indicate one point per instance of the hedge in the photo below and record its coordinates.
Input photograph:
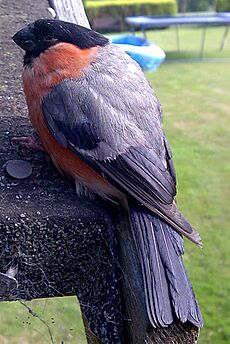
(194, 5)
(121, 8)
(223, 6)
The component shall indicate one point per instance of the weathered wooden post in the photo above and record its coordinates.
(62, 245)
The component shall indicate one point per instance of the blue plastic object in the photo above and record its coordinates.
(148, 55)
(130, 39)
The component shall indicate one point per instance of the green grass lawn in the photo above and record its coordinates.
(196, 103)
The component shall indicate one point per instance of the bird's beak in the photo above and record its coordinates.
(25, 39)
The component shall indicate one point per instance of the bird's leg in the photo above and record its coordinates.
(27, 142)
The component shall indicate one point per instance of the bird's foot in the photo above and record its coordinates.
(27, 142)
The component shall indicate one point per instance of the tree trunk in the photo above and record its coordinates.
(183, 6)
(70, 10)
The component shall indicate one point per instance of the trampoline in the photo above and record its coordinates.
(142, 23)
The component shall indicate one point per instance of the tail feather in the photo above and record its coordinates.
(168, 291)
(175, 218)
(156, 285)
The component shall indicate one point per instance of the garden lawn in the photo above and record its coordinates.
(196, 102)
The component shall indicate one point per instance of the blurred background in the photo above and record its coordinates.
(194, 93)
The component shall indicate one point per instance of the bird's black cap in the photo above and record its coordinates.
(43, 33)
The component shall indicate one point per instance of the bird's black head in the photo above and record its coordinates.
(35, 38)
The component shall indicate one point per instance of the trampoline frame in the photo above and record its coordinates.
(144, 22)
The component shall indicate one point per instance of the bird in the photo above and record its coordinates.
(99, 119)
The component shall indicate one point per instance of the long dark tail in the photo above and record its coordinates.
(168, 291)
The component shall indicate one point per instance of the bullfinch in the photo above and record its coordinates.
(101, 123)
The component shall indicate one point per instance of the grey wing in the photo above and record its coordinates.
(114, 124)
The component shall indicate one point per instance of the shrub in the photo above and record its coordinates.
(223, 6)
(122, 8)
